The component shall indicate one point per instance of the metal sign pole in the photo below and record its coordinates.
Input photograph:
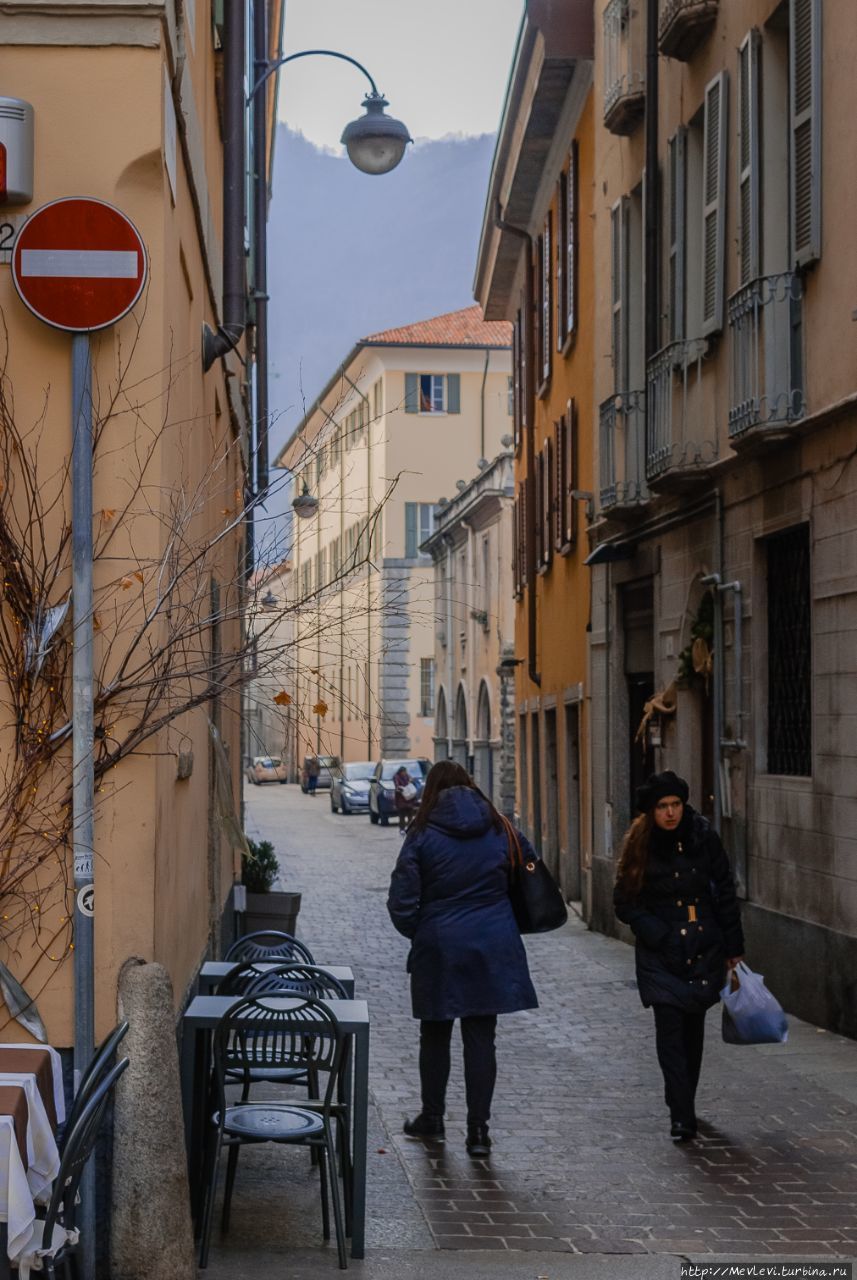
(83, 778)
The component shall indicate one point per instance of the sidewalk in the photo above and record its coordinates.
(583, 1171)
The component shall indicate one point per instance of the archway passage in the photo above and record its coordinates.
(483, 755)
(459, 729)
(441, 728)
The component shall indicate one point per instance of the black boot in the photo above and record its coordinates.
(478, 1142)
(682, 1131)
(423, 1126)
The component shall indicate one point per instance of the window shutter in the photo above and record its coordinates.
(677, 155)
(411, 509)
(571, 473)
(805, 129)
(559, 487)
(412, 392)
(571, 242)
(547, 478)
(748, 157)
(619, 227)
(453, 393)
(547, 292)
(561, 230)
(518, 375)
(714, 203)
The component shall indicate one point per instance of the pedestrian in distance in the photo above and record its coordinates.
(674, 887)
(313, 769)
(449, 894)
(405, 797)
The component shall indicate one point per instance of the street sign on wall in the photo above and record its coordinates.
(79, 264)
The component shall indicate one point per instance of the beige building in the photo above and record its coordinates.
(408, 413)
(723, 551)
(472, 547)
(131, 104)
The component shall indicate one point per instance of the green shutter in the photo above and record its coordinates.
(453, 393)
(412, 399)
(411, 509)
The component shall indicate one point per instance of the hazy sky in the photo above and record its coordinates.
(442, 64)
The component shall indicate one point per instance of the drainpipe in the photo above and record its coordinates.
(231, 330)
(652, 318)
(482, 404)
(530, 400)
(260, 236)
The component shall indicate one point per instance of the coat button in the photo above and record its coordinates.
(683, 932)
(679, 903)
(676, 875)
(688, 962)
(705, 982)
(700, 928)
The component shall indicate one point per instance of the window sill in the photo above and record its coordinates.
(570, 342)
(566, 549)
(785, 781)
(543, 389)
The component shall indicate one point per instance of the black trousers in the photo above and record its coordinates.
(679, 1037)
(480, 1066)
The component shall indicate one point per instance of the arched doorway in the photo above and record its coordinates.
(441, 728)
(483, 756)
(459, 728)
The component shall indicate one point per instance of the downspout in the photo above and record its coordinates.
(482, 404)
(529, 400)
(652, 267)
(231, 329)
(260, 236)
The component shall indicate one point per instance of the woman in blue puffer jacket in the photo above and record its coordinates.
(449, 894)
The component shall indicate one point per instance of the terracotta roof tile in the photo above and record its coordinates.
(464, 328)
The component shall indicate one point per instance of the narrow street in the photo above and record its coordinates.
(583, 1169)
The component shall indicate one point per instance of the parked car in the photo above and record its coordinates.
(266, 769)
(382, 793)
(349, 790)
(325, 777)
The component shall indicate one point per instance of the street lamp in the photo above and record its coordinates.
(375, 142)
(305, 505)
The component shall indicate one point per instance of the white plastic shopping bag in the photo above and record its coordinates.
(751, 1015)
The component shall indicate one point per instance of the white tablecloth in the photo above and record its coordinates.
(56, 1065)
(17, 1208)
(42, 1152)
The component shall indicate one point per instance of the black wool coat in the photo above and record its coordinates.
(686, 919)
(449, 894)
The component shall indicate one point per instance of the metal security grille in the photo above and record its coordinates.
(789, 654)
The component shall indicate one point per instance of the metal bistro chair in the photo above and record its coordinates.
(250, 980)
(55, 1234)
(261, 1033)
(97, 1068)
(269, 944)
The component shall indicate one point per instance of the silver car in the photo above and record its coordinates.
(349, 787)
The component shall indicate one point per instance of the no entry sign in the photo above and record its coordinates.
(79, 264)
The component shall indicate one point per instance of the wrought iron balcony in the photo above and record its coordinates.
(766, 332)
(683, 25)
(681, 426)
(622, 441)
(624, 65)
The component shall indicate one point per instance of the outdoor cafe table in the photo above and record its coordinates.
(31, 1105)
(201, 1017)
(213, 972)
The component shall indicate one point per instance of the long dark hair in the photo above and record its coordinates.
(635, 854)
(442, 776)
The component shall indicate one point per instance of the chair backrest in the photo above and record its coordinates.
(97, 1066)
(269, 944)
(305, 978)
(270, 1032)
(77, 1150)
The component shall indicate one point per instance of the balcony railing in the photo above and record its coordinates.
(624, 65)
(683, 25)
(766, 331)
(681, 431)
(622, 442)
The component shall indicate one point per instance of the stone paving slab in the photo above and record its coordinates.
(582, 1168)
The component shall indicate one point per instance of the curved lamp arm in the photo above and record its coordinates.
(271, 67)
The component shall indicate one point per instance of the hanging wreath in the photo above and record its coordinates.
(696, 660)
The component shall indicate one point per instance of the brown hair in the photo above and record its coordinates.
(635, 855)
(442, 776)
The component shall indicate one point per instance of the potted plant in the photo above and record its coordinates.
(267, 908)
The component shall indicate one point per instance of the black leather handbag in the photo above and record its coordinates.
(536, 899)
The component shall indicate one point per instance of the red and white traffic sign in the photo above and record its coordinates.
(79, 264)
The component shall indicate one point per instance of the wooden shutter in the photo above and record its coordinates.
(714, 202)
(411, 509)
(412, 392)
(805, 130)
(518, 378)
(571, 485)
(619, 231)
(546, 482)
(560, 490)
(453, 393)
(749, 59)
(561, 231)
(520, 539)
(546, 298)
(571, 242)
(677, 160)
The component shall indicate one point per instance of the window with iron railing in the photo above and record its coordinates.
(624, 63)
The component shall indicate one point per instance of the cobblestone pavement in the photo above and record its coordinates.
(582, 1163)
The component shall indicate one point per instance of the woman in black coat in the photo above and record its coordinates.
(449, 894)
(674, 887)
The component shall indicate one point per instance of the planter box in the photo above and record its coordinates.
(272, 911)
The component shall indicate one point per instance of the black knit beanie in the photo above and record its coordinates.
(658, 786)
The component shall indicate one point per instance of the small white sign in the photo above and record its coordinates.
(82, 865)
(10, 225)
(86, 900)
